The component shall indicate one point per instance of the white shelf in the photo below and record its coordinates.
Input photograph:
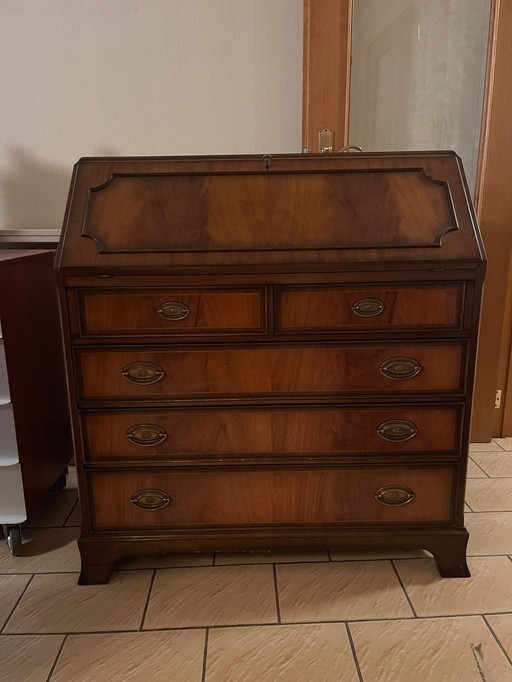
(4, 382)
(8, 444)
(12, 501)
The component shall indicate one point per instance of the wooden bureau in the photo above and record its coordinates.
(271, 352)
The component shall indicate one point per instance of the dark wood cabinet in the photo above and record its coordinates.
(271, 352)
(35, 433)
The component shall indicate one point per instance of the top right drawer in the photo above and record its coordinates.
(380, 307)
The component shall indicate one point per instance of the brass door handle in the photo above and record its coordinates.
(397, 430)
(368, 307)
(173, 310)
(143, 372)
(146, 434)
(394, 495)
(400, 368)
(150, 500)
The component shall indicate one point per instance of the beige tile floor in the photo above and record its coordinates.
(264, 617)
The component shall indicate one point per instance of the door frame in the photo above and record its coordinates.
(326, 99)
(327, 28)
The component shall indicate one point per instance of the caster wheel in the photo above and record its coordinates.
(13, 535)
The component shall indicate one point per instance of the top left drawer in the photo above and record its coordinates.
(169, 312)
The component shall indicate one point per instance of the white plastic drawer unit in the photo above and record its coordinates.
(12, 501)
(11, 492)
(4, 381)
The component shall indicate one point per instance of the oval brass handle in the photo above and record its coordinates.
(400, 368)
(173, 310)
(368, 307)
(394, 495)
(143, 372)
(397, 430)
(150, 499)
(146, 434)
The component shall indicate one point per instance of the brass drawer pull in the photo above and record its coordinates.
(150, 499)
(173, 310)
(146, 434)
(143, 372)
(394, 495)
(397, 430)
(400, 368)
(368, 307)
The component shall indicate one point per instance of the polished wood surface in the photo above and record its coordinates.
(270, 219)
(265, 433)
(116, 312)
(270, 371)
(271, 497)
(190, 212)
(326, 356)
(403, 307)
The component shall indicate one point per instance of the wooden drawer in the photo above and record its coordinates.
(259, 497)
(272, 371)
(377, 307)
(238, 434)
(171, 312)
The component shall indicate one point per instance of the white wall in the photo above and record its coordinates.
(418, 70)
(139, 77)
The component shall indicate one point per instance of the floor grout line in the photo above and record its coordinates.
(354, 653)
(69, 515)
(276, 594)
(251, 625)
(498, 642)
(147, 599)
(52, 669)
(205, 654)
(479, 467)
(2, 629)
(403, 588)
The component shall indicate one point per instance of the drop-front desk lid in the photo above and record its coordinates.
(269, 212)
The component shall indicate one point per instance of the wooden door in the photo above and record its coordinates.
(327, 65)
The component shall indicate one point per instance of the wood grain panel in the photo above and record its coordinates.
(269, 211)
(135, 312)
(269, 371)
(237, 434)
(404, 307)
(280, 220)
(271, 497)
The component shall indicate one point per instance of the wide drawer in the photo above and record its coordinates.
(271, 371)
(349, 495)
(171, 311)
(376, 307)
(259, 433)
